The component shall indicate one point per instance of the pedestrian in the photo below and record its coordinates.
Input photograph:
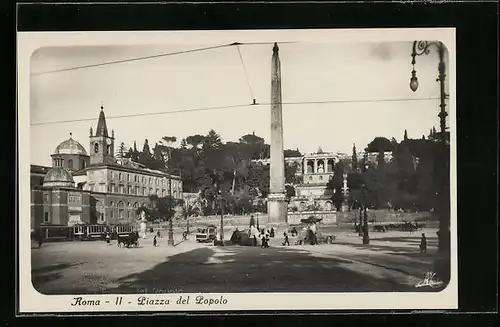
(108, 238)
(184, 236)
(286, 239)
(271, 234)
(254, 240)
(158, 234)
(154, 241)
(423, 244)
(40, 238)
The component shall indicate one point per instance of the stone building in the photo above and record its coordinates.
(312, 194)
(94, 188)
(313, 172)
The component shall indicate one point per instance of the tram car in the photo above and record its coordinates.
(54, 233)
(81, 232)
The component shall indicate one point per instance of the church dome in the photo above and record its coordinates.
(58, 176)
(70, 146)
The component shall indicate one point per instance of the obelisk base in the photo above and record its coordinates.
(277, 208)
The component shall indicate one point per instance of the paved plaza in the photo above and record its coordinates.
(392, 262)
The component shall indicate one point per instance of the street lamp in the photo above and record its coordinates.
(170, 220)
(422, 48)
(366, 236)
(219, 196)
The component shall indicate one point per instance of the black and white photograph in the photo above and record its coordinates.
(237, 170)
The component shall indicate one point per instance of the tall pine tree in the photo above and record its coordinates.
(145, 156)
(354, 157)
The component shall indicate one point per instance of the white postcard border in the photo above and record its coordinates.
(31, 301)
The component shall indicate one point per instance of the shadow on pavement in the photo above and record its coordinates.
(47, 274)
(253, 269)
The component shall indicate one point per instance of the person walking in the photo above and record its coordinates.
(155, 243)
(286, 239)
(108, 238)
(423, 244)
(40, 238)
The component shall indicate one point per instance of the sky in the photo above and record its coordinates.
(346, 84)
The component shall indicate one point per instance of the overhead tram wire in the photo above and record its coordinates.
(246, 74)
(149, 57)
(229, 107)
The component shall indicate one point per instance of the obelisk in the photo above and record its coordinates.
(276, 200)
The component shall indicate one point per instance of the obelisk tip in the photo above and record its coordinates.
(275, 48)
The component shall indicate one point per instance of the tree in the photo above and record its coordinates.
(336, 185)
(290, 173)
(354, 157)
(292, 153)
(379, 144)
(189, 209)
(145, 156)
(289, 192)
(121, 152)
(255, 145)
(165, 149)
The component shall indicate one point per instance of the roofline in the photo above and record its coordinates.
(75, 154)
(132, 170)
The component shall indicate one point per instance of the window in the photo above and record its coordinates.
(96, 148)
(150, 180)
(70, 163)
(46, 217)
(128, 177)
(129, 189)
(62, 162)
(110, 188)
(108, 149)
(137, 190)
(111, 203)
(45, 197)
(122, 189)
(111, 214)
(120, 176)
(144, 191)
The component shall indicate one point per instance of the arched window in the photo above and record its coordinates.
(310, 167)
(70, 163)
(96, 148)
(330, 165)
(120, 210)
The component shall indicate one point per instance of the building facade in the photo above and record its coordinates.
(313, 172)
(94, 188)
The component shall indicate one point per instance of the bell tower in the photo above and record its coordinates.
(102, 146)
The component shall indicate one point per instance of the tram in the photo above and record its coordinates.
(82, 232)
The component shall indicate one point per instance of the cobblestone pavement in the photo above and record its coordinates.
(392, 262)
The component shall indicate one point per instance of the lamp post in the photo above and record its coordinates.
(366, 236)
(423, 48)
(171, 218)
(221, 204)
